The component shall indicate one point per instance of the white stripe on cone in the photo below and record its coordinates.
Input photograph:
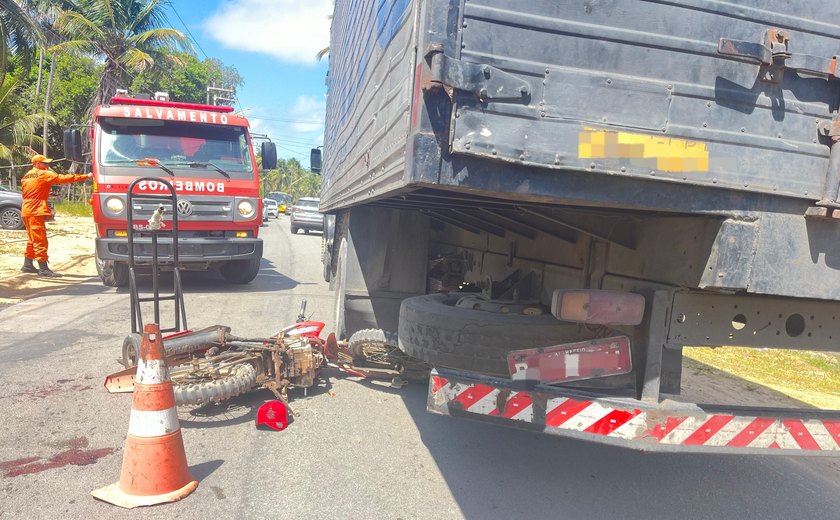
(153, 423)
(152, 372)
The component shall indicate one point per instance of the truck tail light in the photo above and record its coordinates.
(572, 361)
(598, 307)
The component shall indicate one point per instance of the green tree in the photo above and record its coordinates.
(17, 129)
(75, 82)
(292, 178)
(188, 83)
(128, 35)
(18, 33)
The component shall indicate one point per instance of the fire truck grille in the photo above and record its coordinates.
(194, 209)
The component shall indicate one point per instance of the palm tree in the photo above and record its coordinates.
(18, 32)
(326, 50)
(18, 131)
(127, 34)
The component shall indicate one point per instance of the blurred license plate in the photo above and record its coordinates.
(572, 361)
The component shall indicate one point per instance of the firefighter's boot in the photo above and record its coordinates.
(44, 270)
(28, 267)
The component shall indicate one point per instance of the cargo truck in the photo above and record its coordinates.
(549, 200)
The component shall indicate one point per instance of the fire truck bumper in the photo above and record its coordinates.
(190, 250)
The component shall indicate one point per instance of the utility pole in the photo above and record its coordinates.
(216, 97)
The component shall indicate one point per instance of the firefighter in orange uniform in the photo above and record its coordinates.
(35, 212)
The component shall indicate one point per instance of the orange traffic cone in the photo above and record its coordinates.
(154, 467)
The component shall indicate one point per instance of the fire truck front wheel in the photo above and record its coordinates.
(112, 273)
(240, 271)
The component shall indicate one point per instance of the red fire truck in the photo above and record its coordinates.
(206, 153)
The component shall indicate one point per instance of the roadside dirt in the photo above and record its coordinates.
(71, 242)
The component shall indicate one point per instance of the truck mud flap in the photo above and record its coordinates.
(667, 426)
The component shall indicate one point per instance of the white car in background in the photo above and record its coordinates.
(270, 209)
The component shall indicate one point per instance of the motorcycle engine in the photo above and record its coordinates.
(302, 363)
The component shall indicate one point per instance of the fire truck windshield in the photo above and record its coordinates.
(179, 146)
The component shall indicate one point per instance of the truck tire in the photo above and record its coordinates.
(242, 379)
(434, 330)
(112, 273)
(240, 271)
(294, 230)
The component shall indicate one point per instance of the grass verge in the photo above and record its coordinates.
(810, 377)
(76, 209)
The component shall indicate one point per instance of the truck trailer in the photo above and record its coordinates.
(549, 200)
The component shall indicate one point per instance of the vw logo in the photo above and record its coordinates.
(185, 208)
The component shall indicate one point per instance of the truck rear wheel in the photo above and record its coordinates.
(434, 330)
(240, 271)
(112, 273)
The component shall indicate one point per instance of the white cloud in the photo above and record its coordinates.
(295, 130)
(308, 114)
(291, 30)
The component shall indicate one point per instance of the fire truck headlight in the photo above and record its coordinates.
(115, 205)
(246, 208)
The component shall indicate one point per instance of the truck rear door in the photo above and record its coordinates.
(698, 91)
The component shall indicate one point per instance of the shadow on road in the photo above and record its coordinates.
(205, 469)
(202, 282)
(237, 410)
(502, 473)
(69, 285)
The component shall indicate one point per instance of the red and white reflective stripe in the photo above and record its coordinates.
(151, 372)
(483, 399)
(604, 419)
(519, 406)
(153, 423)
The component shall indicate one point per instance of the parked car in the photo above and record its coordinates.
(10, 204)
(271, 209)
(305, 215)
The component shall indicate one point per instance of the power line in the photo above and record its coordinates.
(189, 33)
(195, 41)
(294, 152)
(301, 142)
(297, 121)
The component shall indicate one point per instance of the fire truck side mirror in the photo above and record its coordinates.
(269, 156)
(315, 160)
(73, 144)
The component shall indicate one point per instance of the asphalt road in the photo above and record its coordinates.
(357, 450)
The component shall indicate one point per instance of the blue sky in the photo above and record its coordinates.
(273, 44)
